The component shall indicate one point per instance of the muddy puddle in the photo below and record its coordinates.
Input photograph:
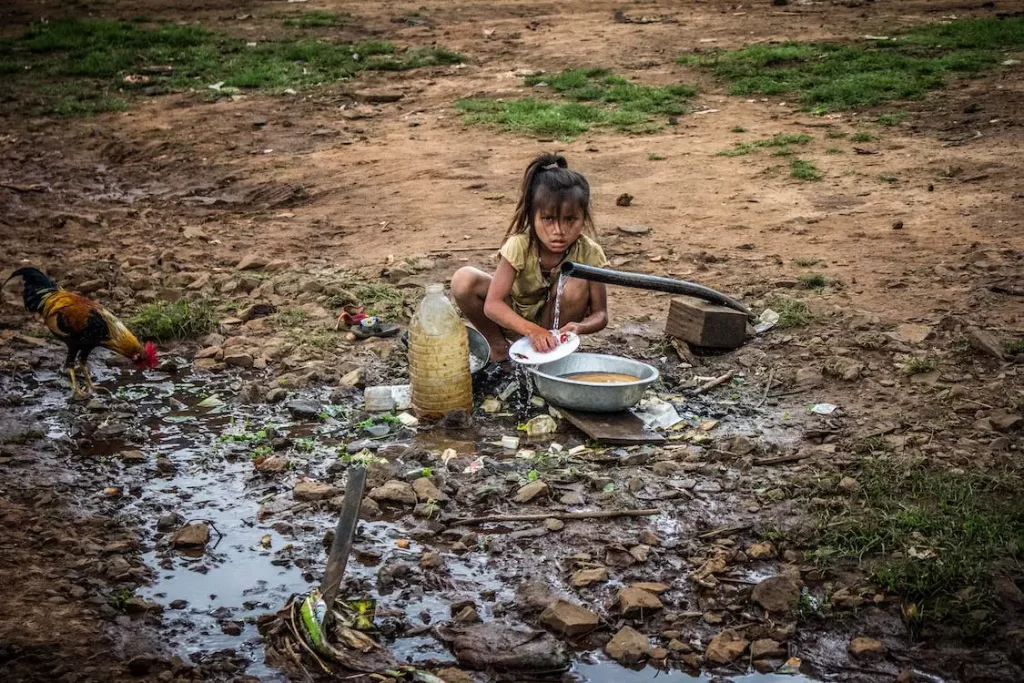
(199, 441)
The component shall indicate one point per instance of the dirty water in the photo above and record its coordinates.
(255, 563)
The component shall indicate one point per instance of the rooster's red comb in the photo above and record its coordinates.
(150, 355)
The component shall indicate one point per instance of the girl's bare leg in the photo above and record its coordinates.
(575, 304)
(469, 289)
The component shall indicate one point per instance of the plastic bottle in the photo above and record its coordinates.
(439, 358)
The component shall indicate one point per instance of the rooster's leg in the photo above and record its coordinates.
(76, 393)
(87, 378)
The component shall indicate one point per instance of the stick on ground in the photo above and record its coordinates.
(597, 514)
(707, 386)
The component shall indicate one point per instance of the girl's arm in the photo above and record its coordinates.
(502, 314)
(597, 319)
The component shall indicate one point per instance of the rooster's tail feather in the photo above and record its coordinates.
(37, 286)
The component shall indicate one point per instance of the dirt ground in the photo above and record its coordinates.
(148, 201)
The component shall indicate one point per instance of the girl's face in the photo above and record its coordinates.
(558, 227)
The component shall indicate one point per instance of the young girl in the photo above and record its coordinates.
(547, 229)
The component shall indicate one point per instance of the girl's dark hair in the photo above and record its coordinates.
(549, 180)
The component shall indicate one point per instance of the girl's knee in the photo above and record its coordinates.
(576, 291)
(463, 282)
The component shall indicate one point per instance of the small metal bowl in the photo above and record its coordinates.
(592, 397)
(479, 351)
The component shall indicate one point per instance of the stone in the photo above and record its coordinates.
(640, 552)
(133, 457)
(984, 342)
(353, 378)
(168, 521)
(909, 333)
(531, 491)
(766, 648)
(761, 551)
(215, 352)
(431, 560)
(808, 378)
(252, 262)
(451, 675)
(569, 619)
(726, 647)
(634, 602)
(844, 368)
(1003, 421)
(635, 230)
(777, 594)
(586, 577)
(303, 409)
(665, 468)
(866, 648)
(394, 491)
(196, 534)
(276, 395)
(493, 645)
(676, 645)
(849, 484)
(272, 464)
(553, 524)
(571, 498)
(426, 491)
(624, 199)
(628, 646)
(651, 587)
(307, 490)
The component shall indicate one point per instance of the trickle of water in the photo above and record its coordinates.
(562, 280)
(524, 391)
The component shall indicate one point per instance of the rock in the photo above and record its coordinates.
(178, 604)
(984, 342)
(849, 484)
(494, 645)
(726, 647)
(141, 665)
(215, 352)
(634, 602)
(634, 229)
(777, 594)
(534, 597)
(272, 464)
(1003, 421)
(133, 457)
(252, 262)
(640, 552)
(431, 560)
(624, 199)
(628, 646)
(585, 577)
(761, 551)
(531, 491)
(676, 645)
(665, 468)
(808, 378)
(394, 491)
(571, 498)
(1007, 590)
(651, 587)
(192, 535)
(844, 368)
(767, 649)
(909, 333)
(866, 648)
(426, 491)
(451, 675)
(168, 521)
(467, 615)
(353, 378)
(553, 524)
(569, 619)
(307, 490)
(231, 628)
(276, 395)
(303, 409)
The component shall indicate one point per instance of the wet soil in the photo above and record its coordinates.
(141, 205)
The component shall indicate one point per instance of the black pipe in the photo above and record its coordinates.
(652, 282)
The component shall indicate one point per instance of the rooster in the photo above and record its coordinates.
(82, 324)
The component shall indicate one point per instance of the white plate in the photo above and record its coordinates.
(522, 351)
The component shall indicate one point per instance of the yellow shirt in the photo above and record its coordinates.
(530, 288)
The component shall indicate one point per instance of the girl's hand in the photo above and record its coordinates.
(543, 341)
(571, 328)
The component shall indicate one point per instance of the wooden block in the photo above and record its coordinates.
(703, 324)
(623, 428)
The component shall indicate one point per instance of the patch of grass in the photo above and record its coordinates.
(862, 137)
(804, 262)
(894, 118)
(782, 140)
(293, 317)
(1014, 346)
(930, 536)
(888, 178)
(738, 129)
(920, 365)
(104, 63)
(804, 170)
(316, 19)
(325, 340)
(597, 97)
(813, 281)
(381, 299)
(834, 150)
(166, 321)
(835, 134)
(792, 313)
(829, 76)
(655, 157)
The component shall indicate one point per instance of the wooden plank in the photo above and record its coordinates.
(702, 324)
(618, 429)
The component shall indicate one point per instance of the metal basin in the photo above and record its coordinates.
(479, 351)
(592, 396)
